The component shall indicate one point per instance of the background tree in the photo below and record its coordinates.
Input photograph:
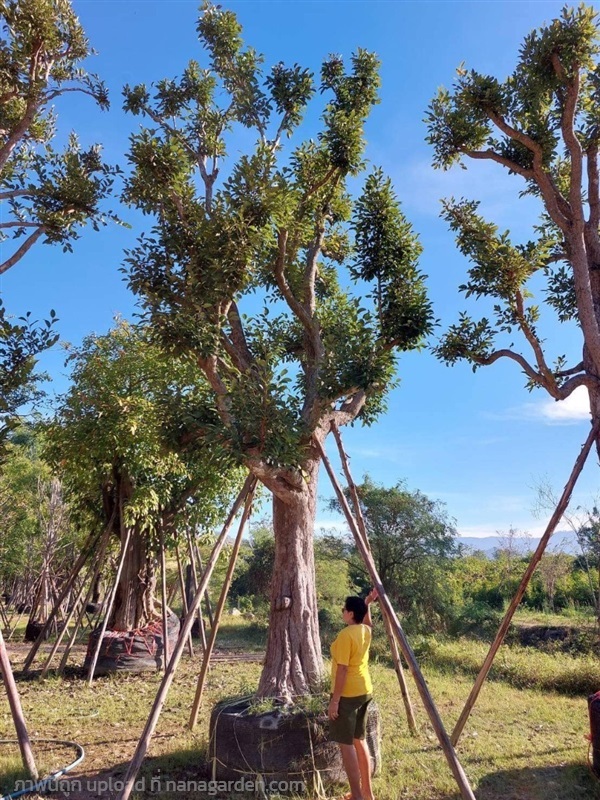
(540, 124)
(249, 272)
(332, 581)
(413, 542)
(118, 440)
(588, 538)
(45, 194)
(38, 540)
(509, 556)
(20, 342)
(553, 571)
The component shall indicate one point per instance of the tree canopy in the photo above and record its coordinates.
(280, 234)
(122, 425)
(540, 124)
(46, 194)
(413, 541)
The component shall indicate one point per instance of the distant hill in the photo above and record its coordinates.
(565, 540)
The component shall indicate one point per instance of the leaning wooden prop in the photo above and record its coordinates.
(16, 711)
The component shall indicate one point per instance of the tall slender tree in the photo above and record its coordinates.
(249, 268)
(541, 124)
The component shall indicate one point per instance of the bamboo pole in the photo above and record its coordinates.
(4, 619)
(202, 630)
(64, 628)
(17, 712)
(149, 728)
(171, 594)
(219, 611)
(550, 528)
(92, 540)
(88, 596)
(183, 597)
(358, 515)
(17, 623)
(436, 721)
(207, 602)
(92, 667)
(163, 580)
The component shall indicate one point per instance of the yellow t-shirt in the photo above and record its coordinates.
(351, 649)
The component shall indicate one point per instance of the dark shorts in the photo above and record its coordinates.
(352, 719)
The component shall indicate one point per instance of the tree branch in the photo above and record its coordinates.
(15, 224)
(574, 383)
(18, 254)
(523, 363)
(238, 335)
(572, 371)
(567, 123)
(209, 367)
(350, 409)
(593, 186)
(296, 307)
(534, 342)
(58, 92)
(557, 205)
(506, 162)
(18, 132)
(18, 193)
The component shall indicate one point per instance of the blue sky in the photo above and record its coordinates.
(479, 442)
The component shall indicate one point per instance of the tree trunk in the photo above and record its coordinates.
(293, 662)
(134, 600)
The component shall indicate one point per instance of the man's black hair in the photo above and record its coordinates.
(357, 606)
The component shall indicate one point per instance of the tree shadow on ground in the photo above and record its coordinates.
(561, 782)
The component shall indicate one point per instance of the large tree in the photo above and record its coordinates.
(542, 125)
(249, 268)
(117, 441)
(413, 541)
(46, 195)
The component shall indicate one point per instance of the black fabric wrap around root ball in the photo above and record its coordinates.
(279, 745)
(133, 651)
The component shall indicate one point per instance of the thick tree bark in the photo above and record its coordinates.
(293, 662)
(134, 600)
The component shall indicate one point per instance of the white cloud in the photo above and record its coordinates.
(576, 408)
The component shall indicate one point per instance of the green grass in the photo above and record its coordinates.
(524, 741)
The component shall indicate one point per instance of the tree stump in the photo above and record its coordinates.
(283, 744)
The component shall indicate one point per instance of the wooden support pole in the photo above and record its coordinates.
(92, 667)
(17, 623)
(17, 712)
(358, 515)
(436, 721)
(207, 602)
(219, 611)
(64, 628)
(163, 580)
(183, 597)
(149, 728)
(82, 611)
(201, 628)
(171, 594)
(550, 528)
(83, 556)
